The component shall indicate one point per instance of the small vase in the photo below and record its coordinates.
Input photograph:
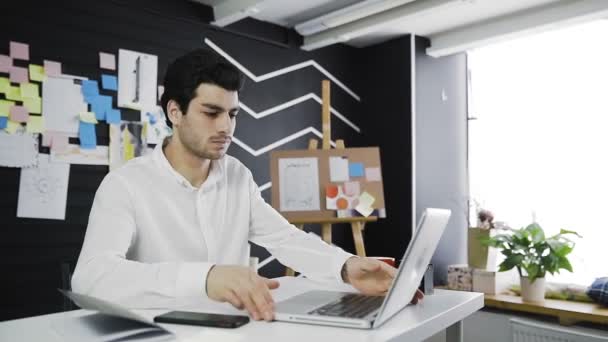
(533, 292)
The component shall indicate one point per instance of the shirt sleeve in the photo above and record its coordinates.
(304, 252)
(103, 271)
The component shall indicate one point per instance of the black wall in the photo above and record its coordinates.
(32, 250)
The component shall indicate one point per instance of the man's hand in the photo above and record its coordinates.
(242, 288)
(372, 277)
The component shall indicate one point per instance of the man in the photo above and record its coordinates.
(176, 223)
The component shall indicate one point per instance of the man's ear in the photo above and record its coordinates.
(174, 113)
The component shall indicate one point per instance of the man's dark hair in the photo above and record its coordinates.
(187, 72)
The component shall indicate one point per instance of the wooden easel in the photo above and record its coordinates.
(357, 223)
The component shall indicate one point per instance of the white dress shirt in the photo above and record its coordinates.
(152, 237)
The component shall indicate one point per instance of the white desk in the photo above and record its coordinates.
(442, 310)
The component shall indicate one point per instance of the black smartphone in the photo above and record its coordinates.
(204, 319)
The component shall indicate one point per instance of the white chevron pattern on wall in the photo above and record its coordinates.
(283, 70)
(279, 142)
(309, 96)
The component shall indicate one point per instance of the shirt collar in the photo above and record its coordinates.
(215, 173)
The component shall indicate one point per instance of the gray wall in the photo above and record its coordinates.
(441, 148)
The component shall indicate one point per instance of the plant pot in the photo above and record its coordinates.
(532, 292)
(480, 256)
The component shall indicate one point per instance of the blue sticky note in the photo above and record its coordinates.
(3, 122)
(109, 82)
(152, 118)
(89, 89)
(101, 104)
(356, 170)
(113, 116)
(87, 135)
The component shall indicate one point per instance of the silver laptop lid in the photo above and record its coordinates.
(415, 261)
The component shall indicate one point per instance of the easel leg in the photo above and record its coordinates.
(326, 231)
(288, 271)
(357, 228)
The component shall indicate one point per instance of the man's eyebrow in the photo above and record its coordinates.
(218, 107)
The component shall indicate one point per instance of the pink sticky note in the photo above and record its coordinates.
(20, 51)
(18, 74)
(19, 114)
(47, 138)
(52, 68)
(352, 188)
(107, 61)
(59, 143)
(5, 63)
(373, 174)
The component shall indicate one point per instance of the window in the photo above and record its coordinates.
(538, 137)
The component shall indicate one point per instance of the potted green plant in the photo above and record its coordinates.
(534, 255)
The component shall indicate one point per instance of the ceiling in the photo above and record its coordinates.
(367, 22)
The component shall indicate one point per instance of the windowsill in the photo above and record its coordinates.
(567, 312)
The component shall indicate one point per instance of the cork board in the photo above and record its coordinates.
(326, 165)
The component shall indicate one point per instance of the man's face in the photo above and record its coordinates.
(206, 129)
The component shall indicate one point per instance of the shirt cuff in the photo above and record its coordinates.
(192, 279)
(339, 261)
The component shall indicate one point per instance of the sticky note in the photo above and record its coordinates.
(366, 200)
(12, 126)
(99, 105)
(338, 169)
(20, 51)
(113, 116)
(59, 143)
(5, 107)
(352, 188)
(3, 122)
(90, 89)
(88, 117)
(151, 118)
(372, 174)
(35, 124)
(87, 135)
(356, 169)
(363, 210)
(107, 61)
(47, 138)
(37, 73)
(5, 84)
(109, 82)
(19, 114)
(5, 63)
(14, 93)
(30, 90)
(33, 105)
(18, 74)
(52, 68)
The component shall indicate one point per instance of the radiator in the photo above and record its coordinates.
(533, 331)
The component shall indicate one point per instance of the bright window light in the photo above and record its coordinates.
(538, 143)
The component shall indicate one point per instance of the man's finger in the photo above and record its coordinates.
(245, 298)
(234, 300)
(390, 270)
(271, 283)
(258, 297)
(371, 265)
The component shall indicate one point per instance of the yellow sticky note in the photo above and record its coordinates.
(35, 124)
(12, 126)
(14, 93)
(29, 90)
(5, 84)
(37, 73)
(88, 117)
(366, 200)
(129, 152)
(33, 105)
(5, 107)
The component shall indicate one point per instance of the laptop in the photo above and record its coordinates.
(352, 310)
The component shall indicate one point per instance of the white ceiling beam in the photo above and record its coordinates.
(375, 22)
(536, 20)
(230, 11)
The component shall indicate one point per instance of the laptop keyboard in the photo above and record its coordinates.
(351, 306)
